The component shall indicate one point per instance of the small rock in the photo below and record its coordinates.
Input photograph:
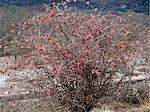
(101, 110)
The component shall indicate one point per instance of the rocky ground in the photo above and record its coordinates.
(18, 95)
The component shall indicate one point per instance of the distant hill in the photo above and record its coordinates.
(23, 2)
(141, 6)
(122, 5)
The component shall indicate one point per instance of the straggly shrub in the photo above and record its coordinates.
(83, 52)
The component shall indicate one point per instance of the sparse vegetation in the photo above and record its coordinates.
(10, 15)
(79, 59)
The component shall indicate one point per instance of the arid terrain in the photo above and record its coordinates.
(74, 56)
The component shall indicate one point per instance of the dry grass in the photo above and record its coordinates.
(145, 106)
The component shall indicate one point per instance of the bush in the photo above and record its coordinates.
(83, 52)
